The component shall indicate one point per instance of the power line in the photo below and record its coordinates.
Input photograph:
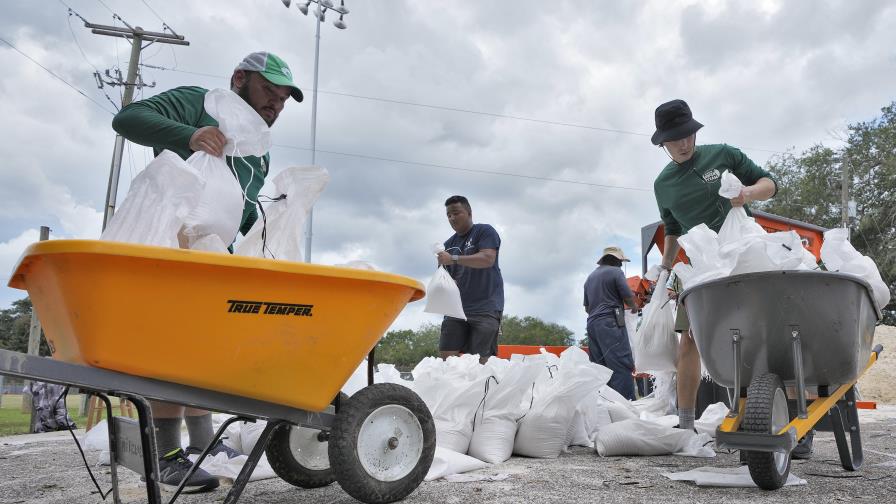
(107, 7)
(82, 93)
(71, 12)
(471, 170)
(467, 111)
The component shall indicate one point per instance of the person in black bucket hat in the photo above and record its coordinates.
(687, 194)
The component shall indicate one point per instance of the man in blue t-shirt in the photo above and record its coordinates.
(605, 292)
(471, 256)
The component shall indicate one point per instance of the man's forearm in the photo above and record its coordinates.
(670, 251)
(142, 125)
(477, 260)
(762, 190)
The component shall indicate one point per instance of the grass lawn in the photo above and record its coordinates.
(13, 421)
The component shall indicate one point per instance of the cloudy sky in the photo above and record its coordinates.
(539, 112)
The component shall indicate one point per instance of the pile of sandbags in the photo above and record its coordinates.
(743, 246)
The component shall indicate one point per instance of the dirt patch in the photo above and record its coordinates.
(879, 383)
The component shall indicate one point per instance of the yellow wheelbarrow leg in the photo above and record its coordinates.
(732, 421)
(820, 407)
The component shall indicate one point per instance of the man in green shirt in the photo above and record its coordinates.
(176, 120)
(687, 193)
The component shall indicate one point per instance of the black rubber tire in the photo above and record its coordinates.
(758, 418)
(285, 465)
(350, 472)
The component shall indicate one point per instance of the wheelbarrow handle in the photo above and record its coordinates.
(878, 349)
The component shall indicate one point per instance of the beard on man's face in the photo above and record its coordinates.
(243, 92)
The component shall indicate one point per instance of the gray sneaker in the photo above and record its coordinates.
(174, 465)
(219, 447)
(803, 449)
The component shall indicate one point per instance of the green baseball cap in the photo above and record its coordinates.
(274, 69)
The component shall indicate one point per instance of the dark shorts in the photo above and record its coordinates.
(682, 323)
(476, 335)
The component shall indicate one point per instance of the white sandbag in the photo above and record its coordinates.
(159, 199)
(452, 390)
(656, 343)
(590, 416)
(495, 420)
(711, 419)
(737, 228)
(839, 255)
(280, 233)
(357, 380)
(836, 250)
(447, 462)
(542, 432)
(388, 373)
(641, 437)
(443, 296)
(730, 186)
(631, 328)
(209, 243)
(220, 206)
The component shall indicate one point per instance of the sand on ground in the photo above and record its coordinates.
(879, 383)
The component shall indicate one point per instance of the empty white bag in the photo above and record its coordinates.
(643, 437)
(656, 343)
(219, 209)
(159, 199)
(279, 234)
(443, 296)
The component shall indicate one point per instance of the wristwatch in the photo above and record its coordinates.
(454, 258)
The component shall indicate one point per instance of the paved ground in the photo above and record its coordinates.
(47, 469)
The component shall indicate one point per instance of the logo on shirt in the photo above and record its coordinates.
(712, 176)
(469, 244)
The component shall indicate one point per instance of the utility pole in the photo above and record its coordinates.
(33, 346)
(844, 193)
(137, 36)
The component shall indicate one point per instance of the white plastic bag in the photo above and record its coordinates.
(159, 199)
(220, 206)
(443, 296)
(839, 255)
(542, 432)
(452, 390)
(446, 462)
(642, 437)
(495, 420)
(737, 228)
(280, 233)
(590, 416)
(731, 186)
(656, 343)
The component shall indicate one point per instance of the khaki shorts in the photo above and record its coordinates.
(682, 323)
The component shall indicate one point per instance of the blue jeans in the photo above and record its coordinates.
(608, 346)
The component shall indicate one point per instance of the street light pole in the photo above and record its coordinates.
(309, 223)
(322, 6)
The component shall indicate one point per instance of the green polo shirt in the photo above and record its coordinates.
(168, 120)
(688, 194)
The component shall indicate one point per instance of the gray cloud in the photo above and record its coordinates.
(769, 75)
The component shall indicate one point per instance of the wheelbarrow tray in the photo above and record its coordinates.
(278, 331)
(834, 313)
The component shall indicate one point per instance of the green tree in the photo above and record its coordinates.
(810, 190)
(533, 331)
(405, 348)
(15, 325)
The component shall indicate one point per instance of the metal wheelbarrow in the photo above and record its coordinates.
(257, 338)
(778, 333)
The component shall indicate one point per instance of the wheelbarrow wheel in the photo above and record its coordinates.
(382, 443)
(766, 413)
(299, 455)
